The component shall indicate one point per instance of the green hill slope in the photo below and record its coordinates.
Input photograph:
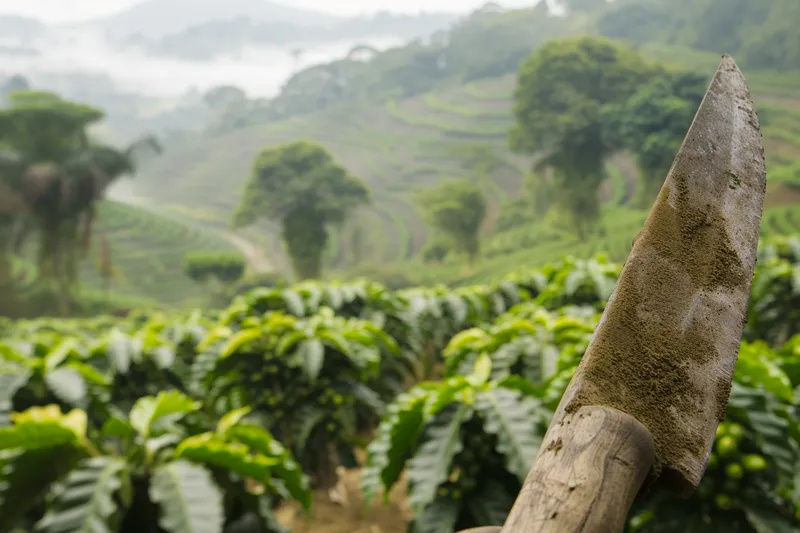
(405, 145)
(146, 251)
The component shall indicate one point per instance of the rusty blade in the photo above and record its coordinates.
(666, 345)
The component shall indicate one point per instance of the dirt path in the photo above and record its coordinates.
(349, 515)
(256, 258)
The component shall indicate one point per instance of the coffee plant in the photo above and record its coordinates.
(205, 421)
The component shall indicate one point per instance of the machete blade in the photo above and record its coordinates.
(666, 345)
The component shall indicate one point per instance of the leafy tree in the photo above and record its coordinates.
(223, 96)
(59, 174)
(558, 101)
(301, 187)
(225, 267)
(456, 208)
(652, 124)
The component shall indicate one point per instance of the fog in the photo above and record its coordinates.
(260, 71)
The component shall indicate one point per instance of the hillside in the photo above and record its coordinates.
(146, 251)
(157, 18)
(408, 144)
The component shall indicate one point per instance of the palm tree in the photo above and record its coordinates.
(63, 199)
(53, 170)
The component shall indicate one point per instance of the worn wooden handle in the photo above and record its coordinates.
(588, 472)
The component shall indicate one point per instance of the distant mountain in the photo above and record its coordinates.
(222, 37)
(23, 28)
(159, 18)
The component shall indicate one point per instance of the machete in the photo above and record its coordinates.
(644, 404)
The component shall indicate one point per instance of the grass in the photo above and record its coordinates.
(147, 251)
(401, 147)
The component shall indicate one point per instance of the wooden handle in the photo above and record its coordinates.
(588, 472)
(484, 529)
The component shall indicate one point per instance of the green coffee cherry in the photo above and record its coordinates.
(727, 446)
(723, 501)
(735, 430)
(754, 463)
(734, 471)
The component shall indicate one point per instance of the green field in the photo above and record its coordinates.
(403, 146)
(146, 251)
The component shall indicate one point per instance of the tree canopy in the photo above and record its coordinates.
(300, 186)
(53, 175)
(652, 124)
(456, 208)
(558, 104)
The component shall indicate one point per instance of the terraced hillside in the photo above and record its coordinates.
(146, 251)
(403, 146)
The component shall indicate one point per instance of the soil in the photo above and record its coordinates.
(348, 514)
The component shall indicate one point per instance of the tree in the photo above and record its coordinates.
(653, 123)
(223, 96)
(59, 174)
(300, 186)
(561, 90)
(456, 208)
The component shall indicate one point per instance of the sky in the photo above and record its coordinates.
(56, 11)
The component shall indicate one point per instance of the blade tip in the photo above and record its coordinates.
(728, 63)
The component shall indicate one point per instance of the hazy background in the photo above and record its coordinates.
(76, 10)
(148, 63)
(62, 40)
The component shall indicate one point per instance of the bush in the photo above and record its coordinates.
(225, 267)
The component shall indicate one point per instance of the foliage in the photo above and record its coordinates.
(148, 471)
(467, 444)
(456, 208)
(313, 380)
(56, 177)
(493, 42)
(652, 124)
(758, 32)
(190, 422)
(300, 186)
(225, 267)
(559, 98)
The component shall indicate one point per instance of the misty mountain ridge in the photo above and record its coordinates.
(156, 19)
(20, 28)
(225, 37)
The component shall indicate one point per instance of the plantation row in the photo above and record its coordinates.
(204, 422)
